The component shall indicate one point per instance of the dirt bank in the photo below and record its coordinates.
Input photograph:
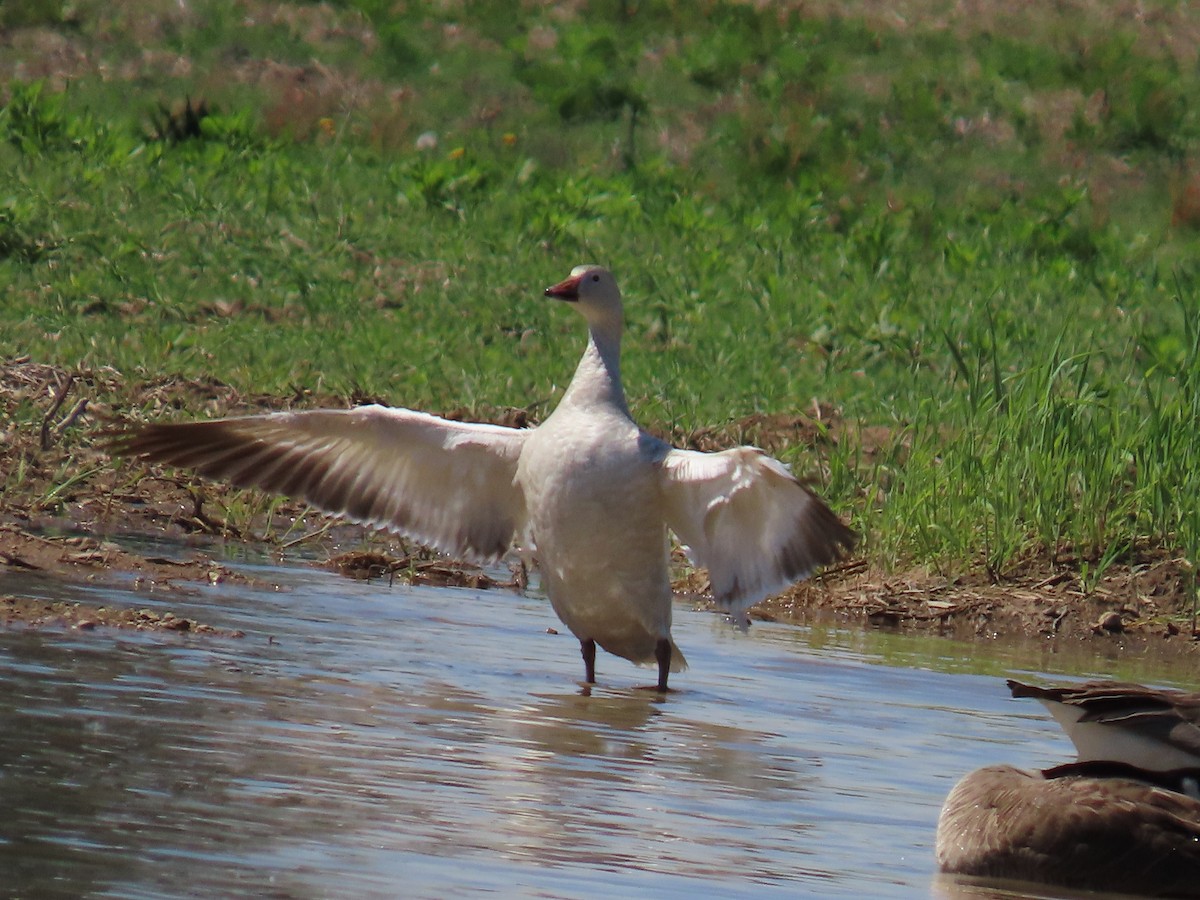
(65, 507)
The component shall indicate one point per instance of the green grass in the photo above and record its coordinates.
(981, 241)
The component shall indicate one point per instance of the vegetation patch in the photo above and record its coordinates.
(941, 263)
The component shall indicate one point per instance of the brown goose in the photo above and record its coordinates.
(588, 493)
(1125, 817)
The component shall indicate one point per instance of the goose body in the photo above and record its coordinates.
(579, 472)
(1125, 817)
(588, 492)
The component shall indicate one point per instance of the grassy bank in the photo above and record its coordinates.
(974, 240)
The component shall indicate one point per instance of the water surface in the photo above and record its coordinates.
(365, 740)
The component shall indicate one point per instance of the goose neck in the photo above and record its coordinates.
(597, 378)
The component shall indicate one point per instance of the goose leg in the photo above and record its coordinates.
(588, 649)
(662, 652)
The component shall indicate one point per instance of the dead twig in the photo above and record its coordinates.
(77, 410)
(60, 396)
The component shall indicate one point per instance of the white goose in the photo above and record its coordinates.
(587, 492)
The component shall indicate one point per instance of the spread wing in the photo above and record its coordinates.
(447, 484)
(744, 517)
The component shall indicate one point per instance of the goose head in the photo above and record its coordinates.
(594, 293)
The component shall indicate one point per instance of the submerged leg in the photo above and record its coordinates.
(662, 652)
(588, 649)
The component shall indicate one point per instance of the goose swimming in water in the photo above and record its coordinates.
(1125, 817)
(587, 492)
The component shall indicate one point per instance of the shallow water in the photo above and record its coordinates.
(362, 740)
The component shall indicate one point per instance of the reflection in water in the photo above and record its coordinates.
(961, 887)
(584, 773)
(374, 742)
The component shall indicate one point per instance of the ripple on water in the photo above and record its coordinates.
(420, 741)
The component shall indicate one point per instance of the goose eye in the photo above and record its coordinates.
(595, 278)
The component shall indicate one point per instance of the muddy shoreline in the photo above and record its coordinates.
(67, 509)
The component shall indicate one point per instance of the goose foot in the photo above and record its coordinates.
(662, 653)
(588, 650)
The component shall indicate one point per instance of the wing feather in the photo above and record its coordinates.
(447, 484)
(743, 516)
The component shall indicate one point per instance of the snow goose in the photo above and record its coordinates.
(1124, 817)
(588, 493)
